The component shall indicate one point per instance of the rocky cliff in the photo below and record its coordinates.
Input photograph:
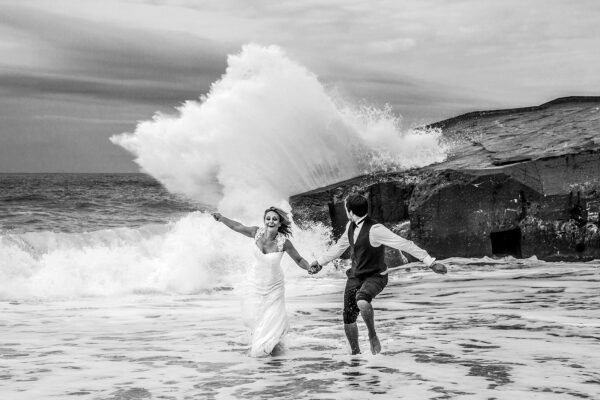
(517, 182)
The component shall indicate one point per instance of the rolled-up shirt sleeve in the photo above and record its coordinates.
(380, 235)
(336, 250)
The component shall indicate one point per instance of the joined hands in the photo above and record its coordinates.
(314, 267)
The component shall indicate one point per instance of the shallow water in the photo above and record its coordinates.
(487, 330)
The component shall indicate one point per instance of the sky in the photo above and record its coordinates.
(75, 72)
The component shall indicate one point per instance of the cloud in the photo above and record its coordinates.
(37, 84)
(178, 47)
(65, 118)
(430, 58)
(392, 46)
(91, 59)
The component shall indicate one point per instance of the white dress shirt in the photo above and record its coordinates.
(379, 235)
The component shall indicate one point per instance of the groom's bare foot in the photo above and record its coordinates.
(375, 345)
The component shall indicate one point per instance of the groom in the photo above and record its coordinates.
(368, 275)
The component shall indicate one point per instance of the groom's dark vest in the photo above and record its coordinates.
(366, 259)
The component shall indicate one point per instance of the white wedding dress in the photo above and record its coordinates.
(263, 305)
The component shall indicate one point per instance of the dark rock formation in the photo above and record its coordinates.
(518, 182)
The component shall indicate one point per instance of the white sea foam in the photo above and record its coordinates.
(182, 257)
(195, 254)
(467, 336)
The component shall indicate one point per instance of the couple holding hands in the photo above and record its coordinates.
(264, 301)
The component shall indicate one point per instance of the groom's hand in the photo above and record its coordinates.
(439, 268)
(314, 268)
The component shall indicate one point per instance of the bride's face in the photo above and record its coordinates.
(272, 220)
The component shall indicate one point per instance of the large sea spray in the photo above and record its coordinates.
(266, 130)
(269, 129)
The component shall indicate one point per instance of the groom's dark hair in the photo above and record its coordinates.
(357, 204)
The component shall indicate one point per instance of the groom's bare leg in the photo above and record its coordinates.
(351, 312)
(352, 335)
(366, 310)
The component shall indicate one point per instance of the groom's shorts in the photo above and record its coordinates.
(361, 289)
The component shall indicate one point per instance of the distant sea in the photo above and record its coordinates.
(65, 202)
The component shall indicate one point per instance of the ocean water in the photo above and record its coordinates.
(136, 306)
(122, 286)
(85, 202)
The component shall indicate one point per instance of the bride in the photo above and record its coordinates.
(265, 314)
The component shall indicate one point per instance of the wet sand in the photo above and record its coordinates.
(487, 330)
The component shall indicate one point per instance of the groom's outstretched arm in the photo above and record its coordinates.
(336, 250)
(380, 235)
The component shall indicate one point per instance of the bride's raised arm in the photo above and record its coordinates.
(289, 248)
(249, 231)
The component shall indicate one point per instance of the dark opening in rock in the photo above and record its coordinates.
(580, 247)
(507, 243)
